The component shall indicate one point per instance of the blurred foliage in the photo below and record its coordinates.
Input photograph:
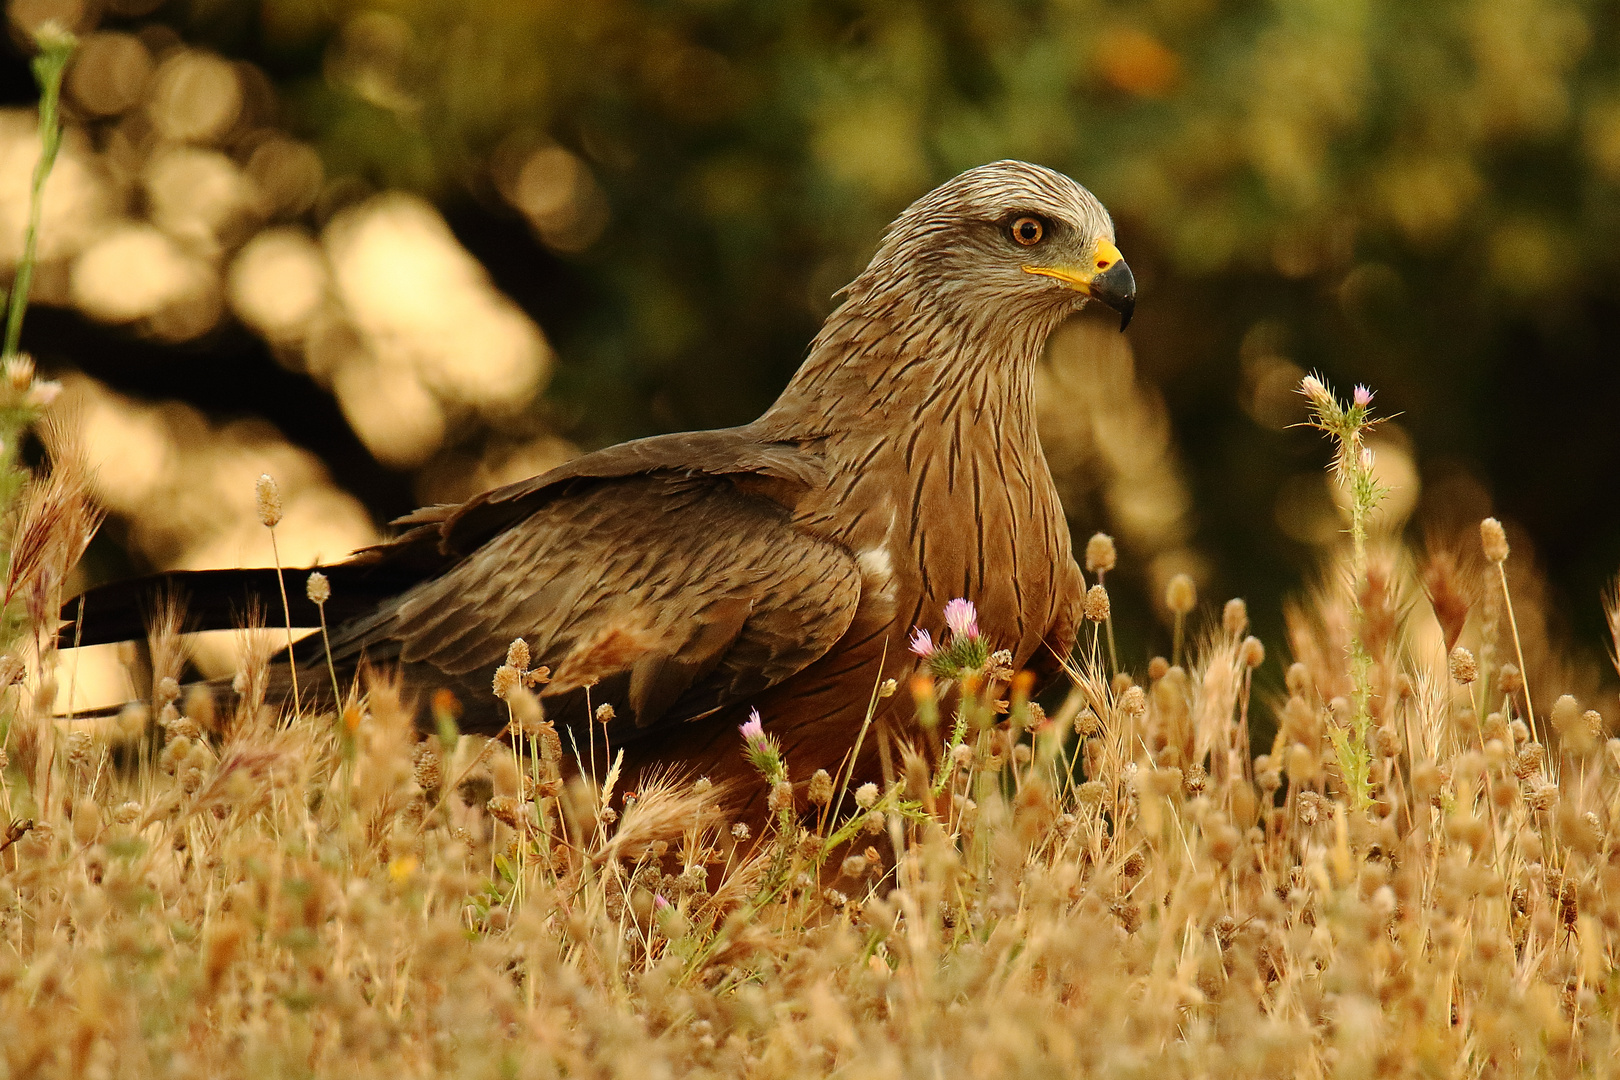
(1424, 198)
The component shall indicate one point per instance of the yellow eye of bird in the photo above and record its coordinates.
(1028, 231)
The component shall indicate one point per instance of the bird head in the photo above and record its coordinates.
(1006, 238)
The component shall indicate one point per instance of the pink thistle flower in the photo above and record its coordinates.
(962, 617)
(1362, 397)
(660, 903)
(754, 730)
(922, 643)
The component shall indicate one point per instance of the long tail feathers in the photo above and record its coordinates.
(220, 600)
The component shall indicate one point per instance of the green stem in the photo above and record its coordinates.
(56, 46)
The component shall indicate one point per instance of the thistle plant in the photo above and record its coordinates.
(961, 656)
(961, 652)
(1352, 469)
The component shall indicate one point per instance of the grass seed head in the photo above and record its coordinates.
(1100, 554)
(1493, 538)
(1235, 617)
(267, 497)
(1096, 606)
(820, 791)
(1180, 594)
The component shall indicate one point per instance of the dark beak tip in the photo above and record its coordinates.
(1115, 288)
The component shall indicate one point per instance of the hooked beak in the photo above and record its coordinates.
(1106, 279)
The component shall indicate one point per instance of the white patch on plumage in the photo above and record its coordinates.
(877, 573)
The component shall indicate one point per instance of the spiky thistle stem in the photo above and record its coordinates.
(1352, 468)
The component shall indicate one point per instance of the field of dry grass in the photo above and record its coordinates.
(1417, 876)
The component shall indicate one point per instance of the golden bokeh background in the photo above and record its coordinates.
(401, 252)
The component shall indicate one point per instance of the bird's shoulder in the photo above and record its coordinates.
(739, 458)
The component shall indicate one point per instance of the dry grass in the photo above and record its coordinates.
(1118, 891)
(1122, 889)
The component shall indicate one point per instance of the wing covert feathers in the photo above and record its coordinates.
(668, 595)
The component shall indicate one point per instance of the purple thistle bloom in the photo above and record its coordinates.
(922, 643)
(754, 730)
(962, 617)
(659, 902)
(1363, 397)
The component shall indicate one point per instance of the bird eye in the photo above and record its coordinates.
(1028, 231)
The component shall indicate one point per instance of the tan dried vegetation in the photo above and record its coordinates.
(1119, 888)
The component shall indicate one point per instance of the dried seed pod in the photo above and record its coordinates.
(1309, 807)
(86, 820)
(1493, 538)
(1388, 742)
(517, 654)
(317, 588)
(506, 809)
(1180, 594)
(507, 679)
(1195, 780)
(1096, 607)
(427, 768)
(200, 707)
(1427, 780)
(1594, 723)
(1252, 652)
(1235, 617)
(1101, 556)
(1510, 679)
(820, 792)
(268, 499)
(1464, 669)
